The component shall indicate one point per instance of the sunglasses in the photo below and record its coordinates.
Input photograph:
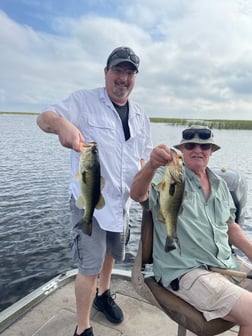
(125, 54)
(203, 133)
(120, 71)
(192, 145)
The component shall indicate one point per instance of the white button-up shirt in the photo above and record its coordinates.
(93, 113)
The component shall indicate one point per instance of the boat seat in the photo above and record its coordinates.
(187, 317)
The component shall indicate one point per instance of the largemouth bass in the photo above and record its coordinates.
(91, 184)
(171, 193)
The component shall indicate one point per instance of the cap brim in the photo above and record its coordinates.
(121, 60)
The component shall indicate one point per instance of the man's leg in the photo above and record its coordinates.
(105, 275)
(88, 253)
(85, 286)
(241, 314)
(104, 301)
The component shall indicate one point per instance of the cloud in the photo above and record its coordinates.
(195, 56)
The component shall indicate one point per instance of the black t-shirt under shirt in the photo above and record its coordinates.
(123, 112)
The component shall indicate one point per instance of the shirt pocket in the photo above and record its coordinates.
(188, 280)
(222, 211)
(203, 288)
(136, 145)
(190, 204)
(137, 140)
(102, 130)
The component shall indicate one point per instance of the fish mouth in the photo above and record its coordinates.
(176, 169)
(87, 145)
(177, 176)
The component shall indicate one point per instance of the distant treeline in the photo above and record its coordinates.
(212, 123)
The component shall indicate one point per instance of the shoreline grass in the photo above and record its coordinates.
(212, 123)
(21, 113)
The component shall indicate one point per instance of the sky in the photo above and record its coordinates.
(196, 56)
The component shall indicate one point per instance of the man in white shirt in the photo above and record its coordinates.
(122, 132)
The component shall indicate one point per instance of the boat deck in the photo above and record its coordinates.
(56, 315)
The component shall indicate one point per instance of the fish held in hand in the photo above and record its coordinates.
(171, 193)
(91, 184)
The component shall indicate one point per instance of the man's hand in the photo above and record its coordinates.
(160, 156)
(69, 135)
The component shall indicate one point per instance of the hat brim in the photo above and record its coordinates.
(198, 141)
(121, 60)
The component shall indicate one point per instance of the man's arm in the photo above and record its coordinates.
(160, 156)
(238, 238)
(69, 135)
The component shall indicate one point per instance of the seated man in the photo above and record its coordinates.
(205, 228)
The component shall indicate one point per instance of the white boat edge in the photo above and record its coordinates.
(22, 306)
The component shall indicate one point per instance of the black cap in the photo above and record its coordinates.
(123, 54)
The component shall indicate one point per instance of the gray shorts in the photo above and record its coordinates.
(212, 293)
(89, 251)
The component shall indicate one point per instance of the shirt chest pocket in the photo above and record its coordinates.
(135, 145)
(190, 204)
(102, 130)
(222, 211)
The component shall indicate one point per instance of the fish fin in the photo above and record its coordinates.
(80, 202)
(161, 185)
(77, 176)
(180, 209)
(100, 203)
(102, 182)
(160, 217)
(84, 226)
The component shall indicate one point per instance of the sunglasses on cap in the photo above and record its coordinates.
(125, 54)
(203, 133)
(192, 145)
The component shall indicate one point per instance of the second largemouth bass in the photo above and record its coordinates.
(171, 193)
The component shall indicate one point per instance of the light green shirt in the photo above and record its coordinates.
(201, 228)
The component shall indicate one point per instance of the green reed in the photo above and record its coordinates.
(212, 123)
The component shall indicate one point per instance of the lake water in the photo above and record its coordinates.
(34, 210)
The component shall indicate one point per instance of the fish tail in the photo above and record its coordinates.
(84, 226)
(170, 244)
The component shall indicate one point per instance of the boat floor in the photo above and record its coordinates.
(56, 316)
